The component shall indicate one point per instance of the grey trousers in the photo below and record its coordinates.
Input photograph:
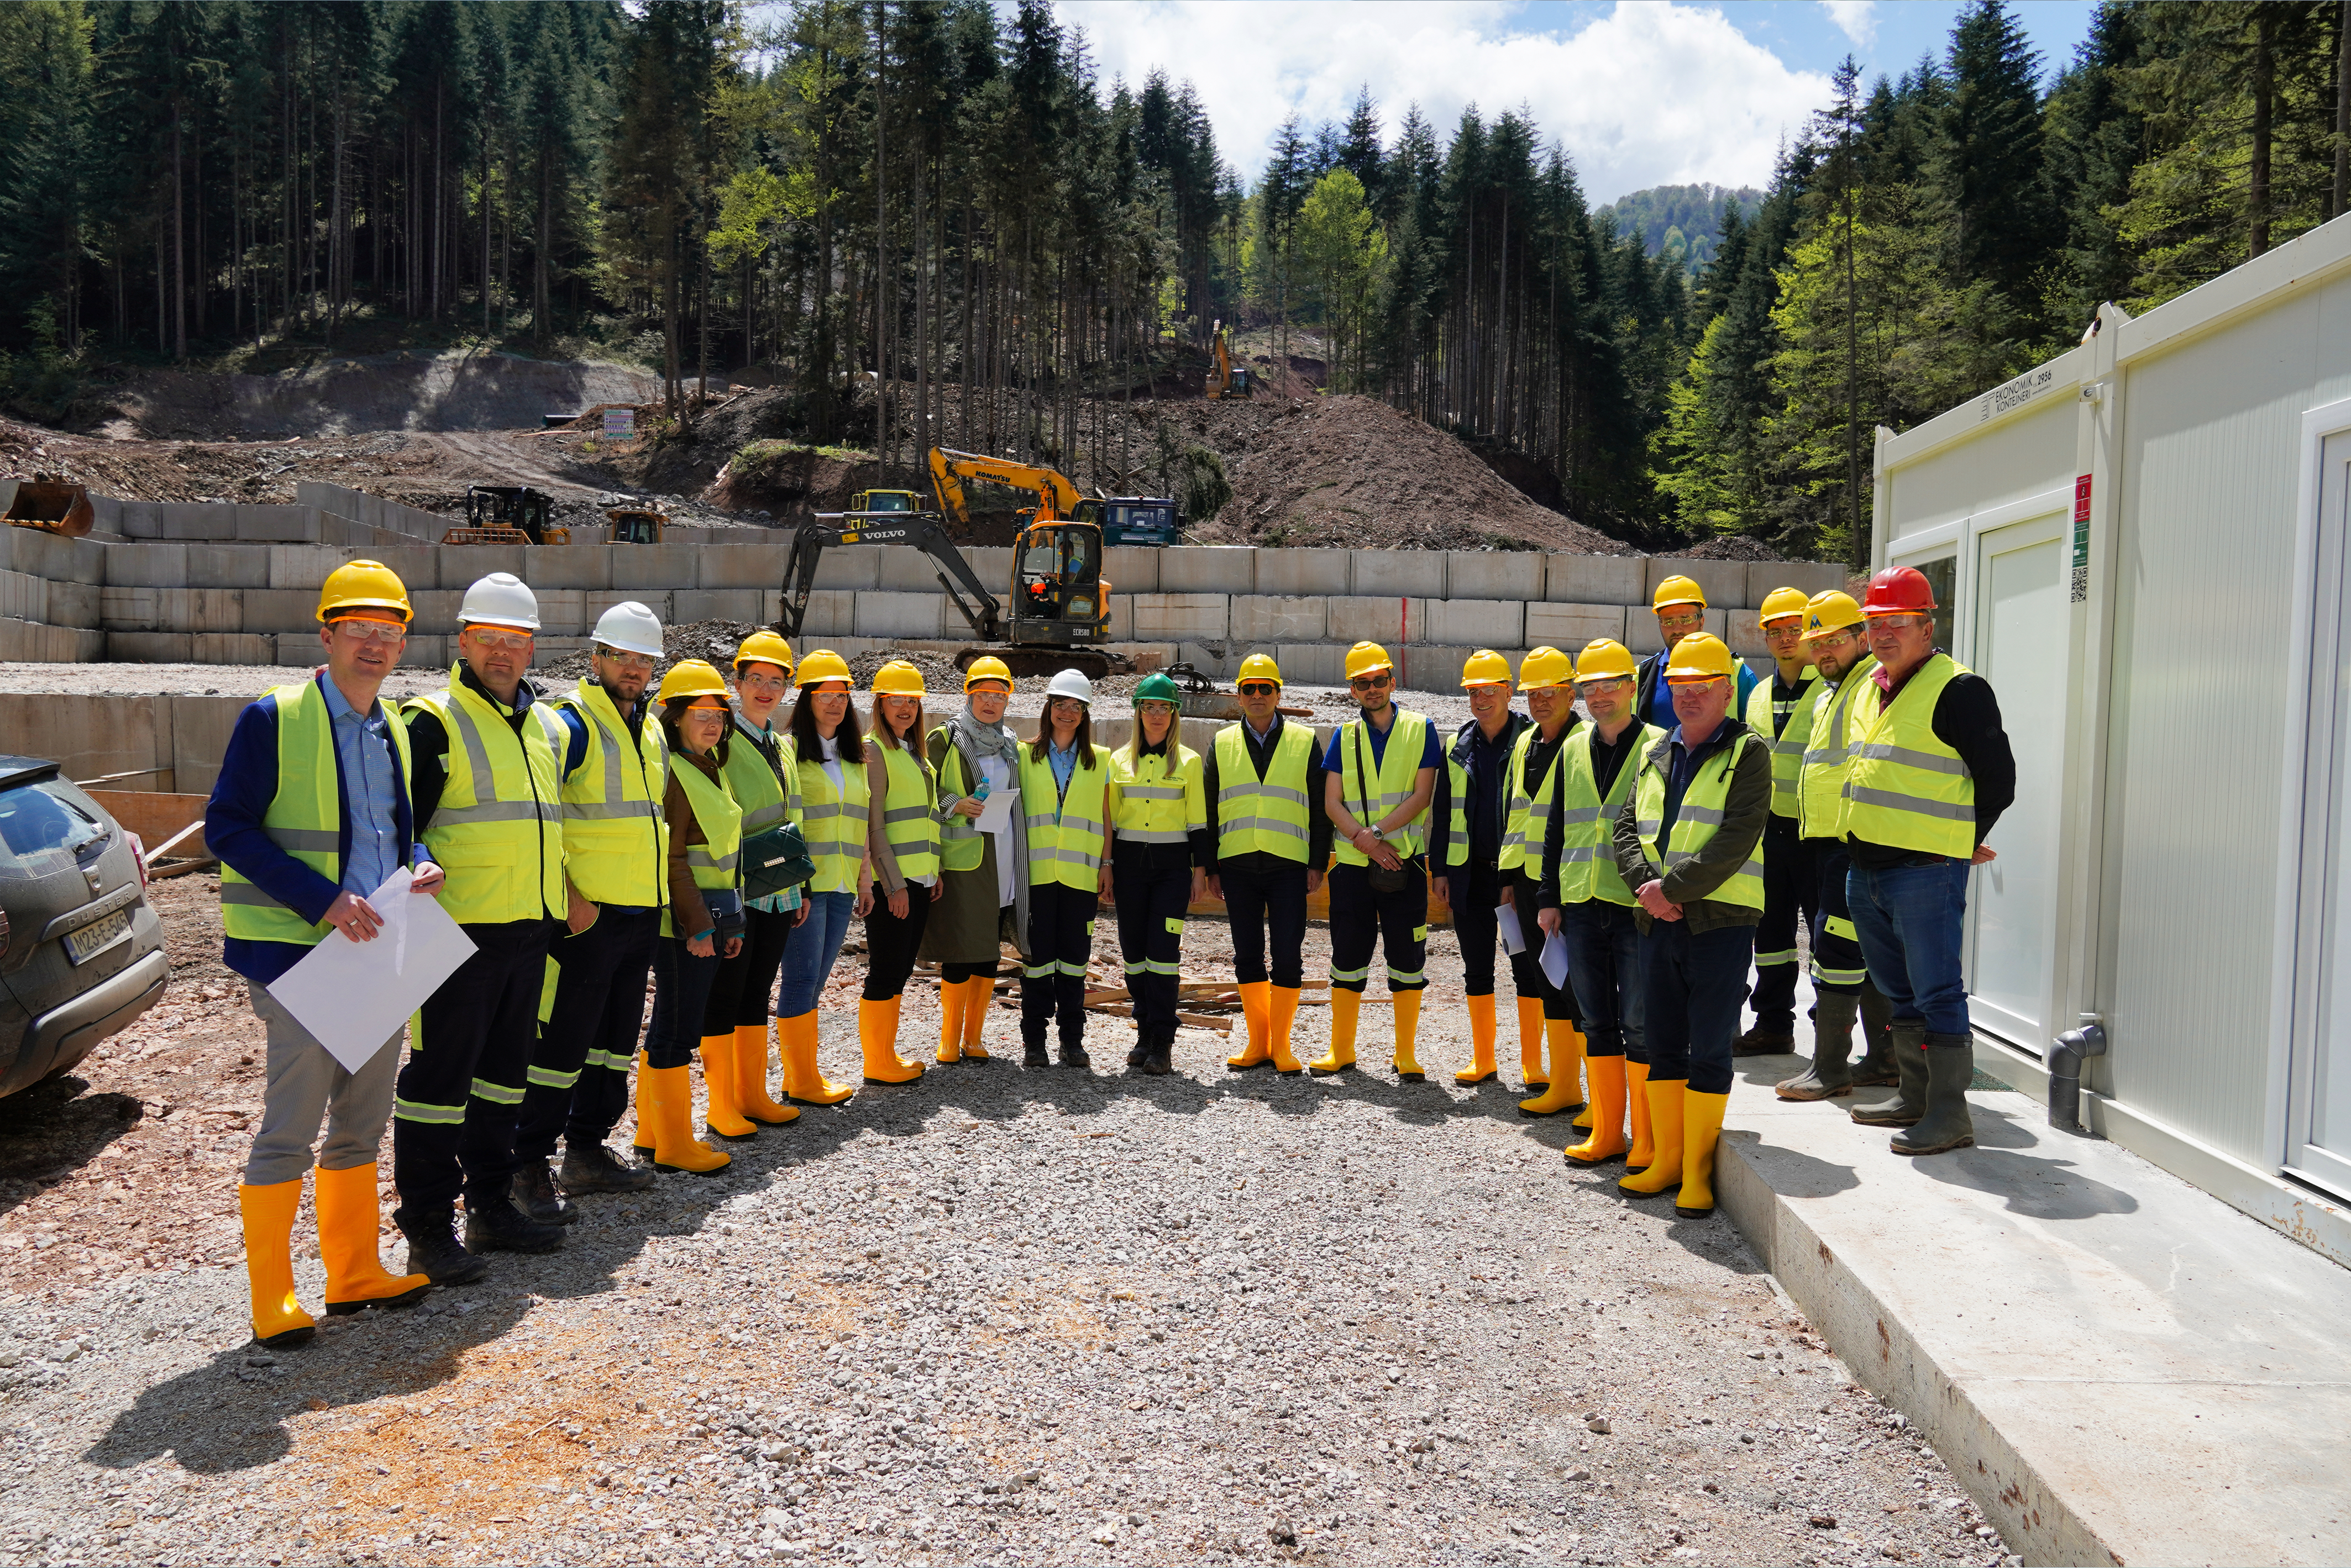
(307, 1085)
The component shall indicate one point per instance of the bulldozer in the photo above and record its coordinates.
(49, 503)
(507, 515)
(635, 525)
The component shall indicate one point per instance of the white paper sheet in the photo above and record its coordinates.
(1506, 918)
(1555, 960)
(996, 811)
(354, 996)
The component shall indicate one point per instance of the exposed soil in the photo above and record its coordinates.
(1730, 547)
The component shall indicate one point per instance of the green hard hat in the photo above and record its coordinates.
(1156, 687)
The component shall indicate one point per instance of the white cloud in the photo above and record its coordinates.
(1856, 19)
(1646, 94)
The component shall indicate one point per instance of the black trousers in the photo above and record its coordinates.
(744, 985)
(1837, 961)
(454, 1109)
(588, 1031)
(1054, 986)
(681, 992)
(1150, 903)
(1397, 923)
(1475, 895)
(1792, 891)
(891, 943)
(1261, 888)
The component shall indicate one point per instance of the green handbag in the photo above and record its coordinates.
(774, 860)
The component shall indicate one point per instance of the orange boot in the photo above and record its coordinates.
(1346, 1010)
(796, 1044)
(278, 1319)
(1636, 1116)
(347, 1226)
(718, 1086)
(1607, 1108)
(1282, 1001)
(1481, 1043)
(1665, 1169)
(978, 996)
(669, 1092)
(951, 1001)
(1256, 1008)
(1530, 1043)
(1701, 1131)
(877, 1033)
(751, 1078)
(1566, 1090)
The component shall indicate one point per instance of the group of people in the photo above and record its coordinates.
(692, 841)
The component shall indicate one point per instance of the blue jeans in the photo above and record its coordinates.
(681, 996)
(1909, 920)
(1604, 968)
(1695, 983)
(809, 960)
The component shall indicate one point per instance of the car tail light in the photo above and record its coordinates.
(139, 854)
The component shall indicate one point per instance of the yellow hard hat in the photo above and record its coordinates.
(1605, 659)
(364, 584)
(1486, 667)
(1832, 609)
(1781, 602)
(1366, 656)
(1699, 655)
(692, 678)
(820, 666)
(1545, 667)
(988, 667)
(765, 647)
(1262, 667)
(898, 678)
(1677, 591)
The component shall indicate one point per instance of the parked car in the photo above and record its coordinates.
(81, 954)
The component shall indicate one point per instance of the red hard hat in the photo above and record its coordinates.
(1899, 591)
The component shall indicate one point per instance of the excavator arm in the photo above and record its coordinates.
(921, 530)
(1057, 498)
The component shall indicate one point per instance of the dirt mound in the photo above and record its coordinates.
(1353, 473)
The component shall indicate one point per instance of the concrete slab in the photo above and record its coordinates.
(280, 609)
(1121, 618)
(59, 560)
(992, 563)
(24, 596)
(148, 647)
(1179, 618)
(1812, 577)
(1264, 618)
(593, 605)
(145, 565)
(1132, 568)
(248, 567)
(903, 570)
(1568, 627)
(559, 610)
(435, 610)
(899, 615)
(274, 524)
(1307, 664)
(1474, 623)
(1366, 619)
(1208, 570)
(580, 567)
(74, 605)
(459, 567)
(1570, 578)
(2118, 1366)
(831, 612)
(1493, 574)
(1723, 582)
(850, 566)
(231, 648)
(1322, 573)
(1398, 574)
(717, 604)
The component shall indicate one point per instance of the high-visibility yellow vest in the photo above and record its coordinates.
(1269, 816)
(909, 811)
(755, 778)
(497, 832)
(1820, 784)
(305, 817)
(1784, 724)
(831, 821)
(615, 843)
(1456, 812)
(1700, 820)
(716, 863)
(1528, 803)
(1391, 784)
(1904, 787)
(1157, 799)
(1587, 820)
(1065, 831)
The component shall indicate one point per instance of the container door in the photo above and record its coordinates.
(2019, 645)
(2318, 1142)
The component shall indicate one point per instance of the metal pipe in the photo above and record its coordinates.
(2065, 1065)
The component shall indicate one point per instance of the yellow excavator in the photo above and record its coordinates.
(1229, 379)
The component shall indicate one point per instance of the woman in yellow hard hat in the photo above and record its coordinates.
(703, 922)
(1158, 852)
(983, 858)
(902, 841)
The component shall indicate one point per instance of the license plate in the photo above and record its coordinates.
(97, 937)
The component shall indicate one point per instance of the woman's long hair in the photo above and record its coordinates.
(1134, 747)
(673, 708)
(1044, 739)
(808, 746)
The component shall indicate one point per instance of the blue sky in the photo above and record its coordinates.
(1642, 92)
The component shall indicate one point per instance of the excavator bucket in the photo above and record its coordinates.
(52, 506)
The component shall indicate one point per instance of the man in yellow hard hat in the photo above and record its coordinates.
(1270, 836)
(486, 760)
(1782, 713)
(1679, 605)
(1689, 843)
(311, 815)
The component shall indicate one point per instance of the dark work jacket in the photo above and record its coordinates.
(1745, 812)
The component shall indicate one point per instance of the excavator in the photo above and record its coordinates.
(1229, 379)
(1122, 519)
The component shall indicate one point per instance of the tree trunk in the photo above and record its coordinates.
(2339, 197)
(2257, 190)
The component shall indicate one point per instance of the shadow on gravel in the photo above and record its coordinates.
(50, 1130)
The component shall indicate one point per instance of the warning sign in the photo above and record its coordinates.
(2081, 539)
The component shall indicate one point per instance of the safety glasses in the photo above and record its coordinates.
(501, 641)
(1678, 682)
(360, 629)
(626, 660)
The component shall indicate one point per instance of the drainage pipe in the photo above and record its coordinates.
(2065, 1071)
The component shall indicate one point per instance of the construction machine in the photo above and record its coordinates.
(507, 515)
(635, 525)
(1228, 380)
(1148, 520)
(49, 503)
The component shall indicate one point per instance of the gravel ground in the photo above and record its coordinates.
(998, 1315)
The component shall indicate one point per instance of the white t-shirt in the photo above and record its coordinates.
(999, 774)
(831, 760)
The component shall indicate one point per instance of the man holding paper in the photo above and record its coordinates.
(311, 815)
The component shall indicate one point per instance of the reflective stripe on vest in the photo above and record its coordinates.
(910, 812)
(1397, 770)
(754, 778)
(1156, 799)
(1457, 812)
(1065, 831)
(499, 819)
(1529, 818)
(831, 822)
(962, 846)
(1587, 824)
(1820, 785)
(1269, 816)
(1904, 787)
(304, 815)
(717, 863)
(616, 844)
(1703, 803)
(1788, 724)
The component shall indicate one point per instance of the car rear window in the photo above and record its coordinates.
(41, 821)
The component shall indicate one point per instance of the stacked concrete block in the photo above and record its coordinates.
(272, 524)
(854, 566)
(1398, 574)
(992, 565)
(1132, 568)
(35, 642)
(888, 614)
(1305, 573)
(1381, 621)
(1516, 575)
(148, 647)
(1723, 582)
(1226, 569)
(231, 648)
(561, 611)
(1568, 627)
(1809, 577)
(268, 610)
(1595, 579)
(592, 604)
(1181, 618)
(1311, 663)
(580, 566)
(717, 604)
(237, 566)
(1476, 623)
(54, 557)
(24, 596)
(1641, 628)
(1269, 618)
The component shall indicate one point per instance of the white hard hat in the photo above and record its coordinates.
(1071, 683)
(630, 628)
(501, 600)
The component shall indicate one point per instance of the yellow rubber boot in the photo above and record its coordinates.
(669, 1094)
(796, 1044)
(1640, 1149)
(1282, 1016)
(1701, 1130)
(1256, 1008)
(751, 1078)
(1530, 1043)
(1607, 1108)
(643, 1139)
(1408, 1036)
(877, 1032)
(1665, 1168)
(1346, 1006)
(349, 1221)
(1481, 1043)
(1566, 1090)
(951, 1001)
(277, 1318)
(718, 1084)
(978, 996)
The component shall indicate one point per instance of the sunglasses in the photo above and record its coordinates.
(360, 629)
(1371, 682)
(1259, 689)
(504, 641)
